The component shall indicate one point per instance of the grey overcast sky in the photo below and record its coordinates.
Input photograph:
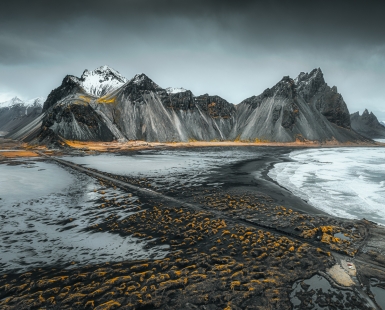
(234, 49)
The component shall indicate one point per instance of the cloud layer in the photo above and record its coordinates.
(231, 48)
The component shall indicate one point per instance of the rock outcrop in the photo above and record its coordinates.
(367, 125)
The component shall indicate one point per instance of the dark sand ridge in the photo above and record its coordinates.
(238, 176)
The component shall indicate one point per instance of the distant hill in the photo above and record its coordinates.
(16, 114)
(367, 125)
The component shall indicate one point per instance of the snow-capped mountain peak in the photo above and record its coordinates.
(175, 90)
(11, 102)
(101, 81)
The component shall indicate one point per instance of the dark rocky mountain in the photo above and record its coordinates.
(69, 86)
(314, 90)
(305, 108)
(367, 125)
(141, 110)
(16, 113)
(104, 106)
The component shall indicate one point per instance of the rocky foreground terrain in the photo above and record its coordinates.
(229, 248)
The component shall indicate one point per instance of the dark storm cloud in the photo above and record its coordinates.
(361, 19)
(232, 48)
(287, 24)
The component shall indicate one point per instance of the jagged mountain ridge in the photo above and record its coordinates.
(367, 125)
(314, 90)
(294, 109)
(139, 110)
(305, 108)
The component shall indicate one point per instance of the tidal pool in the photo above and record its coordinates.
(318, 292)
(378, 292)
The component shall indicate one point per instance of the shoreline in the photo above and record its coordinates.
(136, 145)
(252, 175)
(13, 148)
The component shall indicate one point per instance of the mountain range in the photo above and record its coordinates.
(102, 105)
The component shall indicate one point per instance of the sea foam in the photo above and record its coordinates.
(346, 182)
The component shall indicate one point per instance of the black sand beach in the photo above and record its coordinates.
(236, 241)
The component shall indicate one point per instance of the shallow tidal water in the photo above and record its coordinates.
(44, 212)
(378, 292)
(319, 291)
(173, 168)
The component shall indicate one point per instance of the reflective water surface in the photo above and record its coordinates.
(44, 210)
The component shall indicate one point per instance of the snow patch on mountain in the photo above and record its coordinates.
(138, 78)
(175, 90)
(307, 78)
(101, 81)
(142, 80)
